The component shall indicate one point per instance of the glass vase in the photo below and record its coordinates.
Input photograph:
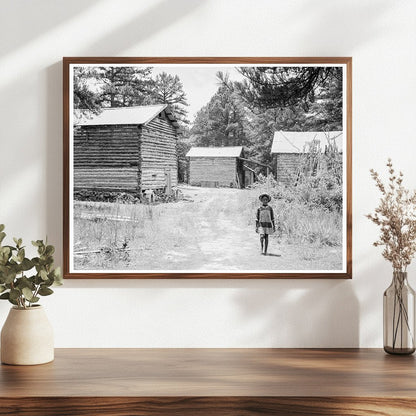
(399, 316)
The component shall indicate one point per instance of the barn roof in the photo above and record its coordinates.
(139, 114)
(225, 151)
(295, 141)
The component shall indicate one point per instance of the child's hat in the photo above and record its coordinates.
(263, 195)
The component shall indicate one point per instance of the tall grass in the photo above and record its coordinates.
(115, 235)
(300, 218)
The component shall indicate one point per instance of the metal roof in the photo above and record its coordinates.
(226, 151)
(295, 141)
(140, 114)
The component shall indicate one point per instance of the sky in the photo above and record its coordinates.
(199, 82)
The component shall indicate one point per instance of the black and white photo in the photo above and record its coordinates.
(208, 168)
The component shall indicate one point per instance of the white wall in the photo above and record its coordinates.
(380, 35)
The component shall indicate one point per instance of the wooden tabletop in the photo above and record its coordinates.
(217, 374)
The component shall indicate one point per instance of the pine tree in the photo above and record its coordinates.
(222, 121)
(124, 86)
(168, 89)
(85, 99)
(313, 94)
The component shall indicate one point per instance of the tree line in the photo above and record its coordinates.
(95, 88)
(268, 99)
(240, 113)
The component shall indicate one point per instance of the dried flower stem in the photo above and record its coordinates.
(396, 217)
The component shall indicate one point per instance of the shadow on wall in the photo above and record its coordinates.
(39, 15)
(375, 277)
(301, 313)
(347, 25)
(158, 17)
(138, 29)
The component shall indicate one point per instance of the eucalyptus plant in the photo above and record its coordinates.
(24, 280)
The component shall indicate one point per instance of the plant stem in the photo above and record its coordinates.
(401, 314)
(394, 315)
(36, 291)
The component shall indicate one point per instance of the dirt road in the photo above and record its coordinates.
(227, 238)
(212, 229)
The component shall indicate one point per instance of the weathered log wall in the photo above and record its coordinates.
(286, 166)
(158, 154)
(221, 171)
(106, 158)
(106, 179)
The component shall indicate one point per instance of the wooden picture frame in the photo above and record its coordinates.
(166, 114)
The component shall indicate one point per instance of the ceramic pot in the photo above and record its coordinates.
(27, 337)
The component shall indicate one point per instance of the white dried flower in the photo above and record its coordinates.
(396, 217)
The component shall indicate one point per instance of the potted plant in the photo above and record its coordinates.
(27, 336)
(396, 217)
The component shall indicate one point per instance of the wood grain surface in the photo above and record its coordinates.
(212, 381)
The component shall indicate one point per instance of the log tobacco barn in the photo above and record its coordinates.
(289, 147)
(219, 167)
(127, 149)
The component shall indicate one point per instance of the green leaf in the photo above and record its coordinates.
(48, 282)
(24, 282)
(49, 250)
(2, 227)
(45, 291)
(38, 280)
(7, 296)
(48, 260)
(56, 272)
(17, 241)
(43, 274)
(13, 302)
(37, 243)
(28, 294)
(11, 248)
(2, 288)
(5, 250)
(2, 236)
(26, 264)
(15, 294)
(4, 255)
(21, 255)
(9, 277)
(57, 276)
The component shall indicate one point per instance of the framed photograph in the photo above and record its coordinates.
(207, 168)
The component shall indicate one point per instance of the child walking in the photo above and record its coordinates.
(265, 222)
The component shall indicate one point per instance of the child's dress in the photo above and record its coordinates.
(265, 219)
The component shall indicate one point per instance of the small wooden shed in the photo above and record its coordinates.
(127, 149)
(289, 147)
(216, 166)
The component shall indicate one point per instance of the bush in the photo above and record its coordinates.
(121, 197)
(308, 213)
(321, 191)
(102, 196)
